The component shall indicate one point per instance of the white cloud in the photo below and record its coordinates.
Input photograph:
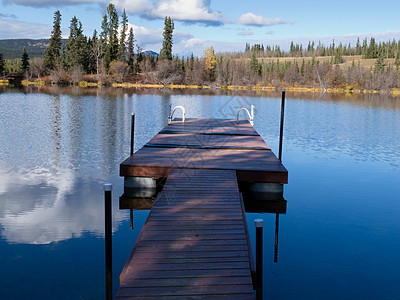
(151, 38)
(43, 3)
(145, 35)
(197, 47)
(194, 11)
(12, 29)
(256, 20)
(134, 6)
(189, 11)
(194, 43)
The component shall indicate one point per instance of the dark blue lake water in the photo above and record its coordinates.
(340, 237)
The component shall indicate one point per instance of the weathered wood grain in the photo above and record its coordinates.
(194, 242)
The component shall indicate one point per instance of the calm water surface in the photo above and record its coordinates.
(340, 237)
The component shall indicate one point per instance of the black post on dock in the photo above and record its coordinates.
(108, 234)
(259, 223)
(281, 128)
(276, 238)
(131, 218)
(132, 132)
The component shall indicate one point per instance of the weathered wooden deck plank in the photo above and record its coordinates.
(192, 297)
(188, 266)
(131, 277)
(199, 222)
(210, 126)
(207, 144)
(207, 247)
(209, 141)
(183, 244)
(188, 290)
(191, 227)
(194, 281)
(199, 259)
(189, 249)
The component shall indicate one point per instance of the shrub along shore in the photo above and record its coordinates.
(266, 88)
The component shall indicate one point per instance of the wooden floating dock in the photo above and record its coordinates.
(207, 144)
(194, 243)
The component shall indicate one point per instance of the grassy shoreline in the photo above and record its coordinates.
(269, 88)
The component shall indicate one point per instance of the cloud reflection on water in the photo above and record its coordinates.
(37, 206)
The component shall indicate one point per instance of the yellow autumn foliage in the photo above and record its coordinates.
(210, 59)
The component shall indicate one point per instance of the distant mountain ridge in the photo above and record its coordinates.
(13, 48)
(150, 53)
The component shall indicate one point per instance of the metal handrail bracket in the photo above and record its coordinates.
(251, 115)
(172, 114)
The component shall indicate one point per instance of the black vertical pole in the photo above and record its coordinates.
(108, 233)
(132, 132)
(281, 128)
(259, 223)
(276, 238)
(131, 217)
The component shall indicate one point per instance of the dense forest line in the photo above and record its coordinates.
(112, 56)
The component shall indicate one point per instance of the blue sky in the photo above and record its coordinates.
(226, 25)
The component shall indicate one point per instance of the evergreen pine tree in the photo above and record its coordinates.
(101, 45)
(397, 47)
(112, 49)
(91, 55)
(392, 49)
(313, 61)
(183, 63)
(64, 57)
(302, 67)
(380, 63)
(104, 36)
(25, 60)
(166, 51)
(2, 64)
(254, 65)
(364, 48)
(122, 40)
(76, 46)
(338, 56)
(397, 61)
(52, 52)
(191, 60)
(358, 47)
(130, 55)
(372, 51)
(292, 49)
(140, 55)
(86, 54)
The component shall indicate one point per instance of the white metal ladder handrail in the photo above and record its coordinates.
(172, 114)
(251, 115)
